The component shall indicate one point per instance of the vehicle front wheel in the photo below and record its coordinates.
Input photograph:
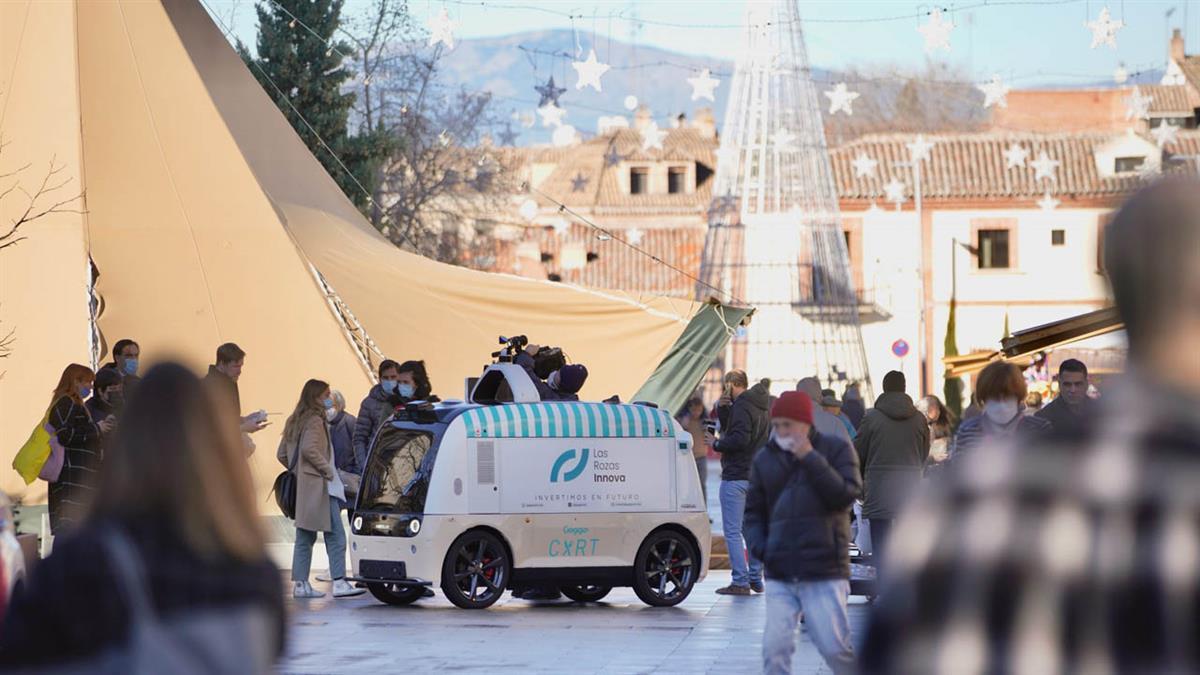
(586, 593)
(665, 569)
(394, 594)
(476, 570)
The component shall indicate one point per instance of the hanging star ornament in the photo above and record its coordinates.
(919, 149)
(552, 115)
(441, 30)
(1104, 29)
(613, 157)
(589, 72)
(840, 98)
(704, 85)
(864, 167)
(894, 190)
(634, 236)
(1048, 202)
(994, 93)
(1120, 75)
(549, 92)
(1137, 106)
(936, 31)
(579, 182)
(652, 137)
(508, 136)
(1014, 157)
(1044, 167)
(1165, 134)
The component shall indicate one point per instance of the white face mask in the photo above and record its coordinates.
(330, 413)
(1001, 412)
(785, 443)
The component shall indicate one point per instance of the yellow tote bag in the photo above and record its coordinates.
(33, 455)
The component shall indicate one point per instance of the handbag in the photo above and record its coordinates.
(285, 487)
(42, 455)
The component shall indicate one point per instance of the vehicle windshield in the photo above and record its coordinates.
(397, 474)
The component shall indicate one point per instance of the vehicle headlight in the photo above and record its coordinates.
(357, 524)
(414, 526)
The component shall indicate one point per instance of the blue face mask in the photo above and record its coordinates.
(131, 366)
(389, 386)
(328, 403)
(84, 392)
(407, 390)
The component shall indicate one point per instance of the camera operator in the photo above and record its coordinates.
(562, 384)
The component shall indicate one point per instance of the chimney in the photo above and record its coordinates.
(1177, 54)
(680, 121)
(704, 123)
(642, 118)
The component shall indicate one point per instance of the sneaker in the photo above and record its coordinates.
(303, 589)
(757, 586)
(733, 589)
(343, 589)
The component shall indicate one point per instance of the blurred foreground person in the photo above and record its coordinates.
(802, 484)
(1076, 553)
(168, 574)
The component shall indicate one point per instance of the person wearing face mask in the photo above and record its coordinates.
(802, 485)
(126, 357)
(108, 398)
(79, 435)
(1001, 392)
(379, 405)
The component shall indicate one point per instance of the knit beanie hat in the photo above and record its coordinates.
(794, 405)
(571, 378)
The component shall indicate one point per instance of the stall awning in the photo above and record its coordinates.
(1023, 346)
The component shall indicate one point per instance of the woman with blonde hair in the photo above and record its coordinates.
(79, 435)
(172, 539)
(306, 450)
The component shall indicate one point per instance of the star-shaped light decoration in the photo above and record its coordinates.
(561, 226)
(1104, 29)
(783, 139)
(652, 136)
(1048, 202)
(552, 115)
(1137, 106)
(441, 29)
(508, 136)
(936, 31)
(631, 102)
(919, 149)
(1165, 134)
(894, 190)
(529, 209)
(589, 71)
(548, 92)
(994, 93)
(634, 236)
(612, 158)
(874, 208)
(1044, 167)
(1174, 75)
(1014, 157)
(704, 85)
(840, 98)
(864, 167)
(579, 182)
(1120, 75)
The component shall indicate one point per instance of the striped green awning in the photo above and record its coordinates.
(568, 419)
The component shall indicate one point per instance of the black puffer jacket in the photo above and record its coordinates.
(892, 444)
(744, 431)
(798, 510)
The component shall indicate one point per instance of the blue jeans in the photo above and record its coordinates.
(733, 509)
(335, 546)
(824, 605)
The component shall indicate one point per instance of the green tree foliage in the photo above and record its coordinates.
(300, 66)
(954, 386)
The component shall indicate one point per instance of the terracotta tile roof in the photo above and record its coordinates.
(1191, 70)
(972, 165)
(1168, 99)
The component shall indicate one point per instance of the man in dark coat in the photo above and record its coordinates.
(1070, 413)
(744, 429)
(892, 445)
(802, 485)
(126, 354)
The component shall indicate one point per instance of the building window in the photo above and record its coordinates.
(676, 180)
(993, 249)
(1128, 164)
(1181, 122)
(639, 181)
(1058, 237)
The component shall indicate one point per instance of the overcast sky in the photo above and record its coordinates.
(1025, 42)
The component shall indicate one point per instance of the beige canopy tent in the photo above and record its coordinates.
(208, 220)
(1023, 346)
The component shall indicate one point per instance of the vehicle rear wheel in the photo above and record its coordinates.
(586, 592)
(394, 594)
(665, 569)
(476, 570)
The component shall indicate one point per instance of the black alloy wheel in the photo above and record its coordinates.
(476, 570)
(395, 594)
(665, 569)
(586, 592)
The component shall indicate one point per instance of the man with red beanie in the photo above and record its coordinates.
(802, 485)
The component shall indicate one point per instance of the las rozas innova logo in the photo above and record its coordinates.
(612, 468)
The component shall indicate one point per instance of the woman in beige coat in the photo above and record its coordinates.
(319, 491)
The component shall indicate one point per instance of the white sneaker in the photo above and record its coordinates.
(343, 589)
(303, 589)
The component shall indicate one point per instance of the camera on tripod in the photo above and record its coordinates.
(545, 361)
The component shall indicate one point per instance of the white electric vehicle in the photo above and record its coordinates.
(507, 491)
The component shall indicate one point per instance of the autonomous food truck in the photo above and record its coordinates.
(506, 491)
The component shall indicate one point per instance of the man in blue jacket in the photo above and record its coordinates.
(802, 484)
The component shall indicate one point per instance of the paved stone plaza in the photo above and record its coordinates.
(707, 633)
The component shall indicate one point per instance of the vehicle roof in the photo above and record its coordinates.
(567, 419)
